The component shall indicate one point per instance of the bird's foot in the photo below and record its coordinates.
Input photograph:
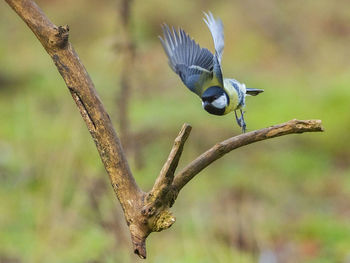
(240, 121)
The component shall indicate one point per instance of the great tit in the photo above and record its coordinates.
(201, 72)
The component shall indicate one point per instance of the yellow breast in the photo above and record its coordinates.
(233, 96)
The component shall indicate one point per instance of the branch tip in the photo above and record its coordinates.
(186, 127)
(141, 252)
(139, 245)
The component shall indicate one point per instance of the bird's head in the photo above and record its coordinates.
(215, 100)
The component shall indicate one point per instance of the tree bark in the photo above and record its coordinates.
(144, 212)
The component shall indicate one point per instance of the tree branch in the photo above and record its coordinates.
(156, 197)
(55, 41)
(144, 212)
(166, 175)
(222, 148)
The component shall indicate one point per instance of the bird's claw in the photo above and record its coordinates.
(240, 121)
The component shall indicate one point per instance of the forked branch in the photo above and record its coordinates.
(144, 212)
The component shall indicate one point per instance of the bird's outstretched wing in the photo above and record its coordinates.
(217, 31)
(192, 63)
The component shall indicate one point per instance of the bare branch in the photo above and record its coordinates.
(55, 41)
(220, 149)
(166, 175)
(156, 197)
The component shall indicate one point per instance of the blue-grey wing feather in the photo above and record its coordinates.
(192, 63)
(217, 31)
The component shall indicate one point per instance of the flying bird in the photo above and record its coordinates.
(201, 72)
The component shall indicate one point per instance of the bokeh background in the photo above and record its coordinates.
(283, 200)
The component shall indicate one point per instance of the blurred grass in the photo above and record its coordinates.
(288, 195)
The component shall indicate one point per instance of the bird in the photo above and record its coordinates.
(201, 72)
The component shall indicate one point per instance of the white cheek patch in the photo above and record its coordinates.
(220, 102)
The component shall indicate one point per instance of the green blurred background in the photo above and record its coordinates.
(283, 200)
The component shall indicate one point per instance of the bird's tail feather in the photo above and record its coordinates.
(253, 92)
